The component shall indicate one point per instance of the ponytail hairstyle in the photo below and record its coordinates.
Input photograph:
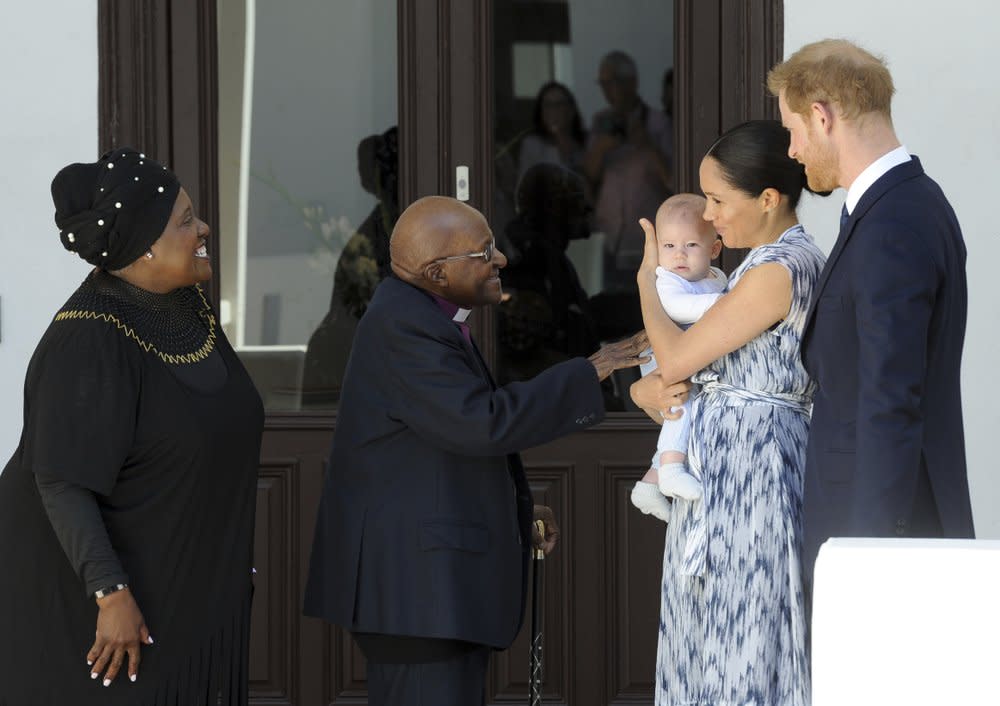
(753, 157)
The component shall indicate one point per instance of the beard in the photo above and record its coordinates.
(821, 183)
(822, 168)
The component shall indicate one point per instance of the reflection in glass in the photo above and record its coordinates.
(584, 149)
(363, 263)
(547, 317)
(308, 185)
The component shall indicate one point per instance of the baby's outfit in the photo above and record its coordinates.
(685, 302)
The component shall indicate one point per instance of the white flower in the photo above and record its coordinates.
(324, 260)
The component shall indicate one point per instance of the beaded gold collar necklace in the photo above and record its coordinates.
(178, 327)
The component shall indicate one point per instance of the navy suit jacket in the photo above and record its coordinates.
(883, 340)
(424, 526)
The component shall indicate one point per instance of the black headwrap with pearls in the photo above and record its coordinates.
(111, 211)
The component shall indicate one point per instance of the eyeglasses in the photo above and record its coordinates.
(486, 255)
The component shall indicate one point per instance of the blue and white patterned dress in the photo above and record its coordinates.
(732, 624)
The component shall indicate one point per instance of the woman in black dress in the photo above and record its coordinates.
(129, 503)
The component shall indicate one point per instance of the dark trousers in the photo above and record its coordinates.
(458, 681)
(424, 672)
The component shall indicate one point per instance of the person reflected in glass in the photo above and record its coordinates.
(667, 141)
(378, 169)
(363, 263)
(127, 511)
(557, 135)
(547, 317)
(625, 162)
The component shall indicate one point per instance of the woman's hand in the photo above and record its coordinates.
(120, 630)
(657, 399)
(647, 268)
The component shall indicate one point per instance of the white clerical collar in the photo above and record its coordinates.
(461, 315)
(872, 173)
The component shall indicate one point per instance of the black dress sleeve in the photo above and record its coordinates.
(80, 406)
(76, 520)
(81, 402)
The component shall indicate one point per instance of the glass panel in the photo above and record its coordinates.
(584, 148)
(308, 184)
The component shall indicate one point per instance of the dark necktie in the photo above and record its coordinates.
(844, 215)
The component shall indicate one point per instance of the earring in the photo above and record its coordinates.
(149, 254)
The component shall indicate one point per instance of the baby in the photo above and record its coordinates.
(687, 285)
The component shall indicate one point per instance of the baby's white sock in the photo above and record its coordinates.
(675, 481)
(648, 498)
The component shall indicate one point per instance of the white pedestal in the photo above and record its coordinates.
(908, 622)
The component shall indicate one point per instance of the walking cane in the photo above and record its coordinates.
(535, 659)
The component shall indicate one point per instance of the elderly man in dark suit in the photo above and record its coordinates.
(425, 523)
(884, 337)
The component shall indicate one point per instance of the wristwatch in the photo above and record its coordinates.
(108, 590)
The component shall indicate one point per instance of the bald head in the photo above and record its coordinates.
(438, 227)
(431, 228)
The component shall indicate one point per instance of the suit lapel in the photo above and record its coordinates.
(433, 311)
(484, 369)
(876, 191)
(838, 247)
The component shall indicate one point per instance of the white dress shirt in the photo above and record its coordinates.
(872, 173)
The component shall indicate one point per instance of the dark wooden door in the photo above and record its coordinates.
(158, 89)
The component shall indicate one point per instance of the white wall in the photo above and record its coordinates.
(945, 111)
(48, 70)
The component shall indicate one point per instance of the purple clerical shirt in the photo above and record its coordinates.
(456, 314)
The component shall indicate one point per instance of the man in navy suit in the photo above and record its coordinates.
(425, 524)
(884, 336)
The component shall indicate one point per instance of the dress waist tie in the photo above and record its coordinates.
(696, 546)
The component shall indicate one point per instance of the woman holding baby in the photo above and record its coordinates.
(733, 623)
